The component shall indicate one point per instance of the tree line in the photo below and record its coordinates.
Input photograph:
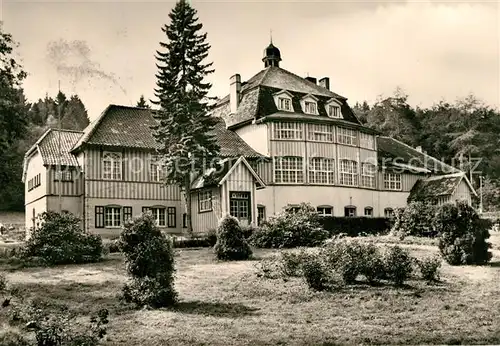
(464, 133)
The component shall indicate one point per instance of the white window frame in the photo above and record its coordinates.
(63, 175)
(368, 172)
(366, 141)
(310, 107)
(392, 181)
(348, 172)
(346, 136)
(114, 171)
(322, 210)
(285, 104)
(320, 133)
(334, 109)
(161, 219)
(288, 170)
(205, 201)
(370, 209)
(156, 170)
(288, 131)
(321, 170)
(352, 211)
(115, 216)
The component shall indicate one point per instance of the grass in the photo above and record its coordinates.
(227, 304)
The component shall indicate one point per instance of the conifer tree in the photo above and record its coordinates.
(142, 103)
(183, 131)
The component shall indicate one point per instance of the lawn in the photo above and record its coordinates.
(227, 304)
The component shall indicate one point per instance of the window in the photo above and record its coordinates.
(284, 104)
(310, 107)
(155, 171)
(368, 175)
(34, 182)
(369, 211)
(320, 133)
(292, 209)
(63, 176)
(112, 166)
(184, 220)
(392, 181)
(171, 217)
(287, 131)
(334, 111)
(348, 172)
(204, 201)
(346, 136)
(366, 141)
(321, 170)
(159, 215)
(325, 211)
(350, 211)
(112, 216)
(288, 170)
(388, 212)
(261, 214)
(99, 217)
(239, 205)
(127, 213)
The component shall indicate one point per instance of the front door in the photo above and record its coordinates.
(240, 207)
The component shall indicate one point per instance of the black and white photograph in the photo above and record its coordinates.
(199, 172)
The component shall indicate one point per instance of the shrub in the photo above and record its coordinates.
(231, 244)
(429, 268)
(149, 261)
(269, 267)
(416, 219)
(463, 234)
(291, 229)
(291, 262)
(345, 256)
(58, 239)
(11, 337)
(3, 282)
(372, 264)
(397, 264)
(355, 226)
(212, 237)
(315, 273)
(191, 242)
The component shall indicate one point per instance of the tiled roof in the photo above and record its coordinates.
(436, 186)
(257, 97)
(123, 126)
(215, 176)
(48, 146)
(390, 149)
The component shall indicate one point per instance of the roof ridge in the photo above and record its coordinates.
(65, 130)
(91, 128)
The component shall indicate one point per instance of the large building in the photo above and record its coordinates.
(284, 140)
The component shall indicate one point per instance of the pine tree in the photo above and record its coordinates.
(142, 103)
(183, 131)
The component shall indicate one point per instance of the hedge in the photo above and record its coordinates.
(355, 226)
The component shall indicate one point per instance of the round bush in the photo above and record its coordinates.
(149, 261)
(58, 239)
(291, 229)
(463, 234)
(398, 264)
(231, 244)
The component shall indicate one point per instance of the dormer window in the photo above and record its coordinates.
(284, 104)
(310, 107)
(310, 104)
(283, 101)
(333, 109)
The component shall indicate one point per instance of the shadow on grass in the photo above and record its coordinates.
(217, 309)
(494, 264)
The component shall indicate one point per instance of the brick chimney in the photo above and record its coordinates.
(234, 92)
(311, 79)
(324, 82)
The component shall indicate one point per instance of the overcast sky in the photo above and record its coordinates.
(104, 50)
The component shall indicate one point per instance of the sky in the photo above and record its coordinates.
(104, 51)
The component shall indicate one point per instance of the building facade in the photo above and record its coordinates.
(284, 140)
